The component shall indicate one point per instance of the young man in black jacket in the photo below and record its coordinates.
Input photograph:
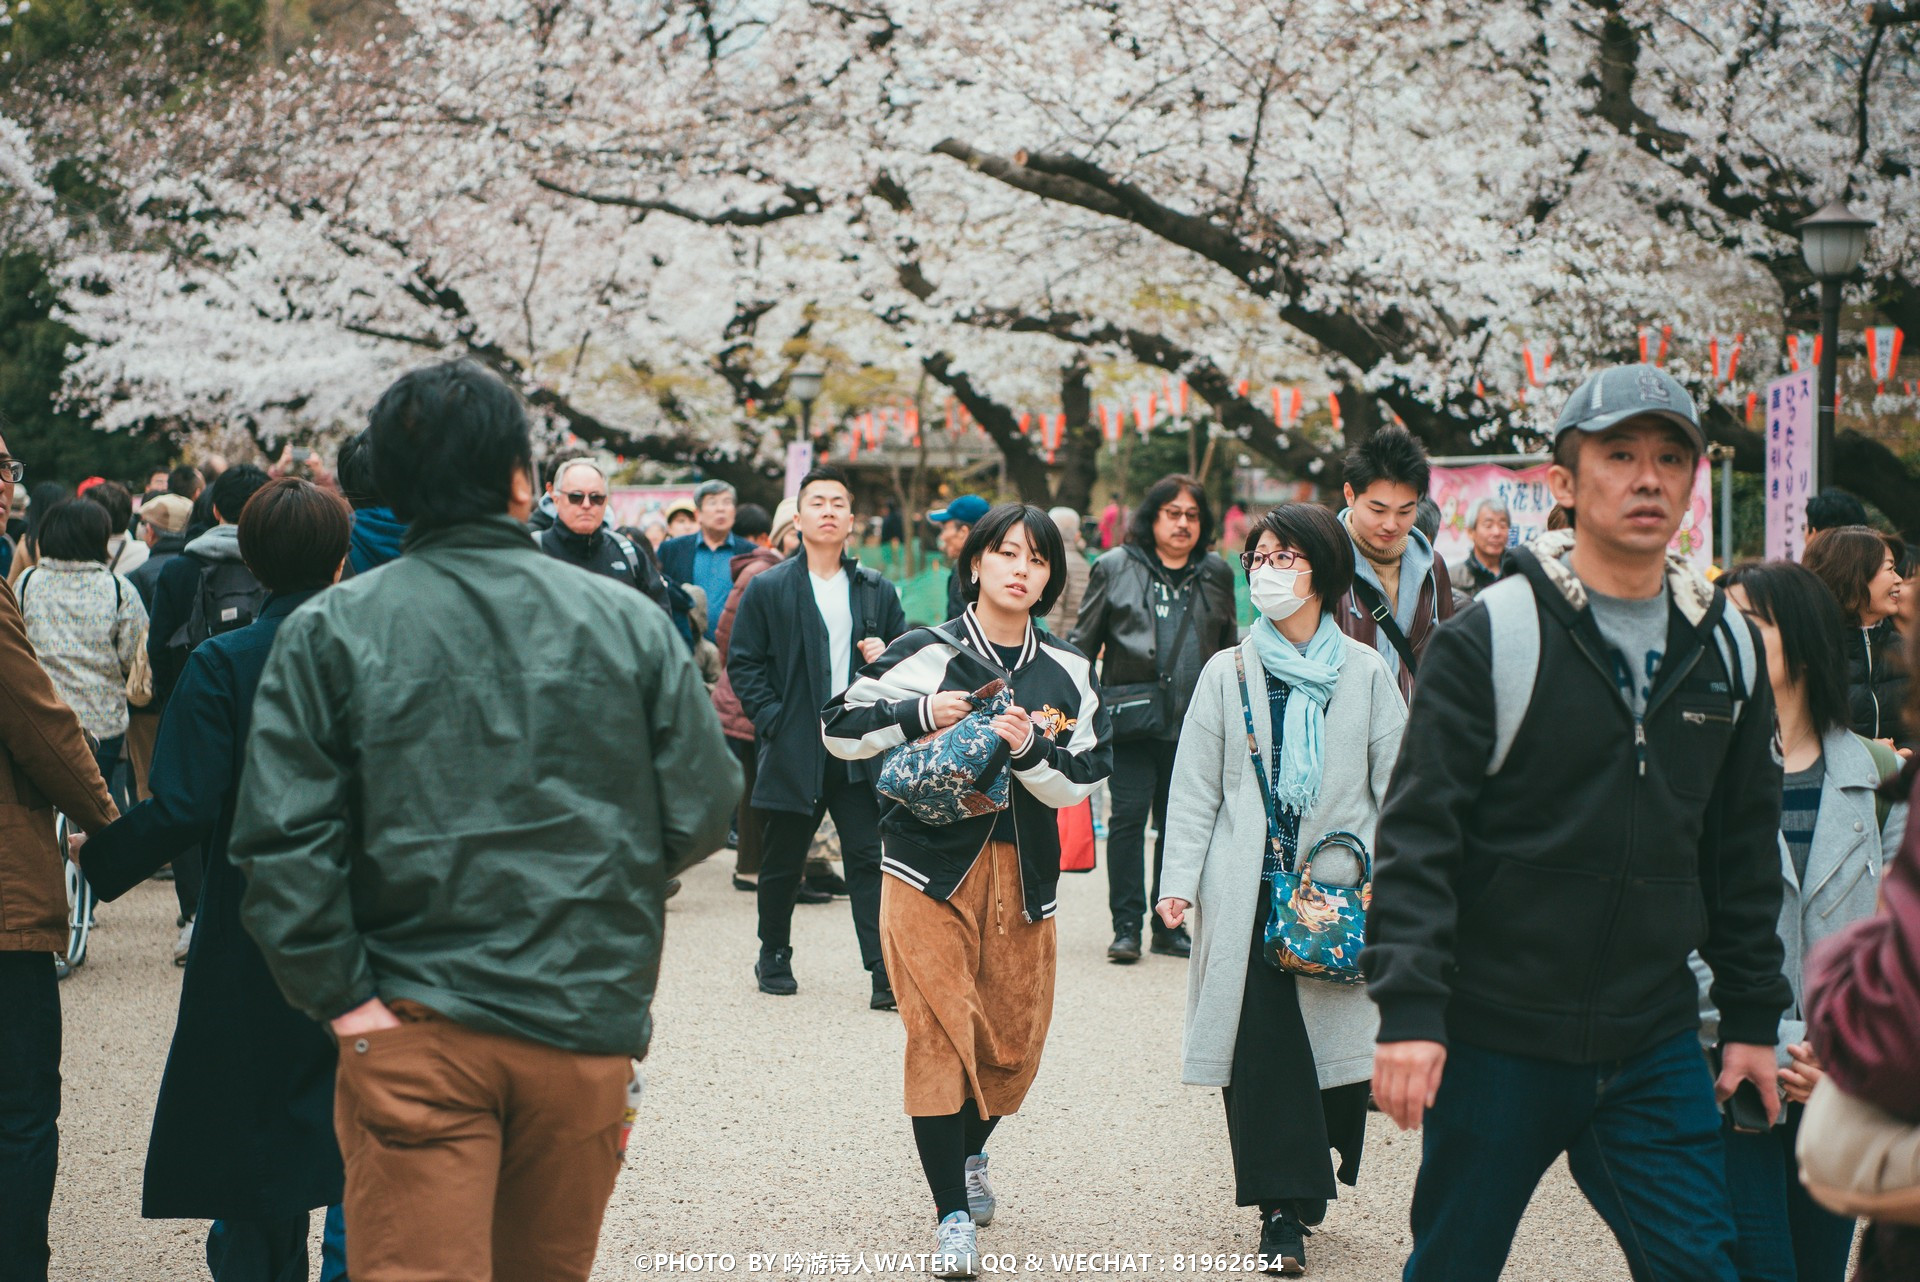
(1587, 792)
(844, 616)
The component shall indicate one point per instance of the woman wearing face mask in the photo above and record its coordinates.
(1860, 567)
(966, 908)
(1292, 1054)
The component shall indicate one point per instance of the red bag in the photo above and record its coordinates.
(1076, 837)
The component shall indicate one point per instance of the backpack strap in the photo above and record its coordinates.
(1513, 619)
(1735, 642)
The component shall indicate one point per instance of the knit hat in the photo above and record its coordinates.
(782, 521)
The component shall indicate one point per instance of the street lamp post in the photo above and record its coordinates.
(804, 386)
(1832, 241)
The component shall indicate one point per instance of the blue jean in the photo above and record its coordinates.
(1642, 1136)
(1783, 1235)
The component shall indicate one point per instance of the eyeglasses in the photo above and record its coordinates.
(1284, 559)
(580, 498)
(13, 470)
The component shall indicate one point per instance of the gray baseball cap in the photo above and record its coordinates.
(1630, 391)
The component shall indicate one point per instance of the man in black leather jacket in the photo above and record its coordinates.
(1156, 609)
(580, 535)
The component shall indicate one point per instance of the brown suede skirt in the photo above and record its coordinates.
(974, 979)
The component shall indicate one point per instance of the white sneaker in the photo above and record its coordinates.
(955, 1251)
(181, 945)
(980, 1200)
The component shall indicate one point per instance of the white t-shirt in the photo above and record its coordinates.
(834, 597)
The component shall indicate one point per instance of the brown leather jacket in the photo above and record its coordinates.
(733, 718)
(44, 763)
(1352, 618)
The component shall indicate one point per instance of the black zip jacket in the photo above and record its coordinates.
(778, 660)
(1549, 910)
(1877, 682)
(1117, 624)
(610, 554)
(887, 705)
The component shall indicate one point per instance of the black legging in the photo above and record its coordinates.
(945, 1144)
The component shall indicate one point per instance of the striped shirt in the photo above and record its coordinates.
(1799, 811)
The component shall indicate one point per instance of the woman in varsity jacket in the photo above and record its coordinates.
(966, 909)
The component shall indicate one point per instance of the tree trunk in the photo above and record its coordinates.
(1080, 452)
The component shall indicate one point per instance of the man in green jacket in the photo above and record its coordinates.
(470, 775)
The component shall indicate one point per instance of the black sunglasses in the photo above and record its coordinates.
(580, 498)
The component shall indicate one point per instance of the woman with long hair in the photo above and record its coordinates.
(1290, 739)
(86, 622)
(1861, 568)
(1831, 838)
(966, 907)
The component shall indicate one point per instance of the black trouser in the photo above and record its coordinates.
(1280, 1124)
(783, 859)
(29, 1110)
(1142, 770)
(258, 1250)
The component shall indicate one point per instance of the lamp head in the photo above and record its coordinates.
(1833, 240)
(804, 385)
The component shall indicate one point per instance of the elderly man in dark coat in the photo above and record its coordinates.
(243, 1134)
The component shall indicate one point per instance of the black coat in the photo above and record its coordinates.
(778, 662)
(611, 554)
(1877, 682)
(244, 1125)
(1550, 909)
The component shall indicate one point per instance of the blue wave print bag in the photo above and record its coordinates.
(956, 773)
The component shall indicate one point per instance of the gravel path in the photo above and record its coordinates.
(773, 1125)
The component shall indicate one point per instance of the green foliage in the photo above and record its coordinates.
(55, 444)
(50, 30)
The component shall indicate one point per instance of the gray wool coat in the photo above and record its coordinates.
(1217, 839)
(1850, 848)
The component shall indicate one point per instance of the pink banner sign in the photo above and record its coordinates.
(627, 504)
(1459, 490)
(1791, 438)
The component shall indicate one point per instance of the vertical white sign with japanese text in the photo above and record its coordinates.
(1791, 437)
(799, 463)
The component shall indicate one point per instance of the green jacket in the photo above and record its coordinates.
(471, 773)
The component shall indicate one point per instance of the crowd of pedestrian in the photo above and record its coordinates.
(1564, 849)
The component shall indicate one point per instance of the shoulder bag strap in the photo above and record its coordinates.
(1253, 751)
(1383, 619)
(1179, 637)
(1513, 628)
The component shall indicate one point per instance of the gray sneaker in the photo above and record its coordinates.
(955, 1251)
(980, 1200)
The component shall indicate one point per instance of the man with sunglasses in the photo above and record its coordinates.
(581, 536)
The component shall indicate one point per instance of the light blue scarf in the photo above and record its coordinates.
(1312, 676)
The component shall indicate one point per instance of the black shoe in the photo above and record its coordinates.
(1172, 943)
(774, 970)
(826, 883)
(1283, 1248)
(1125, 947)
(673, 888)
(1310, 1211)
(882, 991)
(808, 895)
(747, 884)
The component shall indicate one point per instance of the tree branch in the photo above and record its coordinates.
(801, 201)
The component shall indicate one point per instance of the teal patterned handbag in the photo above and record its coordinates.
(1313, 929)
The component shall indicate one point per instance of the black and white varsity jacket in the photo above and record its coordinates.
(886, 706)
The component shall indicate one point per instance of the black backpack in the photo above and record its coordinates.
(228, 597)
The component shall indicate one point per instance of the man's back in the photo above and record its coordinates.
(526, 754)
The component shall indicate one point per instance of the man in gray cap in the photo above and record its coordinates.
(1587, 793)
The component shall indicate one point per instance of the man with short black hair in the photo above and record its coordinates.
(845, 616)
(1401, 589)
(1587, 793)
(468, 780)
(1831, 509)
(1488, 528)
(705, 557)
(186, 481)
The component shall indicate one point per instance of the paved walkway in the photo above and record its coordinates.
(773, 1125)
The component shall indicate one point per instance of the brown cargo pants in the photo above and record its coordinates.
(473, 1156)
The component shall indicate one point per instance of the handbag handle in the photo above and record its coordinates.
(1259, 769)
(1343, 840)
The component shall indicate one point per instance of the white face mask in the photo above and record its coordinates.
(1273, 592)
